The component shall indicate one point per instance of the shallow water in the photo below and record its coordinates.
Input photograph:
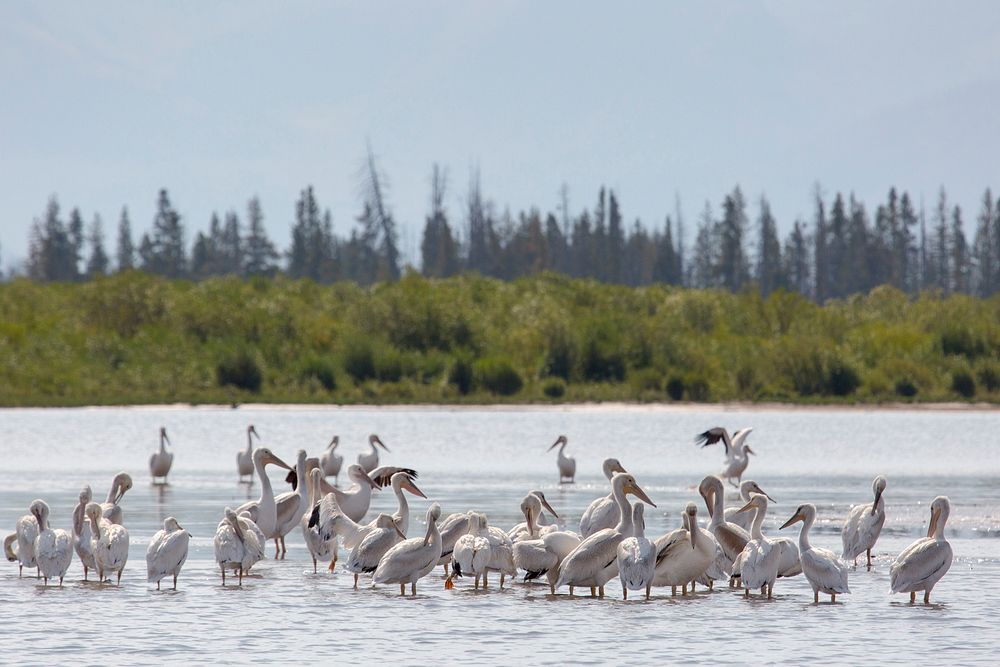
(487, 459)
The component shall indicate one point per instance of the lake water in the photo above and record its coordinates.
(486, 459)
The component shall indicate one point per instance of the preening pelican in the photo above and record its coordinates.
(53, 548)
(367, 553)
(354, 502)
(730, 537)
(244, 458)
(595, 561)
(820, 566)
(81, 532)
(330, 461)
(636, 557)
(544, 555)
(737, 450)
(538, 526)
(25, 532)
(167, 552)
(864, 525)
(566, 464)
(758, 563)
(237, 545)
(111, 510)
(369, 460)
(109, 544)
(471, 556)
(319, 548)
(291, 505)
(501, 553)
(411, 559)
(263, 511)
(602, 513)
(452, 528)
(743, 519)
(922, 564)
(683, 555)
(160, 461)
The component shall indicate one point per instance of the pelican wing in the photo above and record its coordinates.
(405, 561)
(919, 565)
(501, 551)
(333, 521)
(602, 513)
(824, 571)
(382, 476)
(366, 555)
(758, 563)
(252, 508)
(166, 553)
(861, 530)
(228, 547)
(712, 436)
(591, 559)
(288, 510)
(53, 552)
(453, 527)
(789, 563)
(671, 542)
(471, 555)
(731, 538)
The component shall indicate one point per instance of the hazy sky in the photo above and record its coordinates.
(104, 104)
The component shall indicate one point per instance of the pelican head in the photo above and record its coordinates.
(94, 513)
(878, 488)
(691, 523)
(86, 495)
(710, 487)
(531, 506)
(252, 431)
(750, 486)
(375, 440)
(263, 456)
(40, 510)
(385, 522)
(757, 501)
(120, 484)
(749, 451)
(401, 480)
(940, 509)
(334, 442)
(545, 503)
(611, 466)
(170, 525)
(357, 474)
(637, 516)
(163, 434)
(626, 482)
(561, 440)
(805, 512)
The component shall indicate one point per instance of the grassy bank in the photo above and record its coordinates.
(136, 339)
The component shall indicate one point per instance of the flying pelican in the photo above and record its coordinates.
(111, 509)
(81, 532)
(471, 555)
(820, 566)
(366, 554)
(452, 528)
(743, 519)
(369, 460)
(25, 532)
(291, 505)
(354, 502)
(160, 462)
(922, 564)
(758, 563)
(237, 544)
(167, 552)
(594, 562)
(730, 537)
(737, 450)
(863, 526)
(683, 555)
(244, 458)
(411, 559)
(53, 548)
(319, 548)
(263, 511)
(636, 557)
(566, 464)
(330, 461)
(109, 544)
(538, 526)
(602, 513)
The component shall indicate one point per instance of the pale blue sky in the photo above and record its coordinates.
(105, 103)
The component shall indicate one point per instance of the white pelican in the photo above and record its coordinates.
(369, 460)
(864, 525)
(566, 464)
(263, 511)
(167, 552)
(538, 526)
(922, 564)
(244, 458)
(743, 519)
(758, 563)
(53, 548)
(403, 481)
(683, 555)
(820, 566)
(501, 553)
(354, 502)
(109, 544)
(411, 559)
(453, 527)
(595, 561)
(25, 532)
(471, 556)
(330, 461)
(602, 513)
(248, 527)
(545, 555)
(332, 520)
(366, 554)
(81, 532)
(111, 509)
(730, 537)
(319, 548)
(636, 557)
(160, 462)
(737, 451)
(237, 545)
(291, 505)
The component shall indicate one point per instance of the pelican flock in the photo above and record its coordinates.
(611, 542)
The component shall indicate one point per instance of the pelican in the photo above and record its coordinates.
(263, 511)
(743, 519)
(319, 548)
(53, 548)
(736, 450)
(369, 460)
(411, 559)
(594, 562)
(863, 525)
(109, 544)
(602, 513)
(471, 555)
(291, 505)
(730, 537)
(501, 553)
(244, 458)
(167, 552)
(452, 528)
(758, 563)
(82, 533)
(250, 528)
(354, 502)
(538, 526)
(160, 462)
(25, 532)
(383, 535)
(820, 566)
(545, 554)
(567, 464)
(683, 555)
(111, 510)
(922, 564)
(636, 557)
(330, 461)
(403, 481)
(237, 545)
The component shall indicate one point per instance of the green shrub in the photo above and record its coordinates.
(697, 389)
(461, 375)
(388, 365)
(675, 388)
(240, 371)
(554, 387)
(322, 371)
(359, 360)
(842, 379)
(961, 341)
(498, 376)
(963, 384)
(906, 387)
(989, 377)
(646, 379)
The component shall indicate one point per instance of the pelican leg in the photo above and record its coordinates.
(816, 596)
(552, 588)
(413, 588)
(869, 552)
(157, 584)
(501, 580)
(241, 575)
(746, 593)
(20, 570)
(85, 568)
(333, 563)
(314, 566)
(648, 587)
(673, 591)
(593, 591)
(600, 591)
(445, 566)
(119, 581)
(833, 598)
(624, 593)
(571, 590)
(223, 568)
(476, 586)
(913, 597)
(692, 586)
(276, 548)
(770, 589)
(175, 582)
(486, 582)
(684, 589)
(60, 582)
(355, 581)
(402, 589)
(711, 584)
(927, 596)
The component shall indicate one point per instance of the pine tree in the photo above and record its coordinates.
(438, 249)
(857, 275)
(378, 223)
(555, 245)
(261, 256)
(983, 250)
(615, 241)
(940, 274)
(905, 247)
(836, 249)
(164, 250)
(770, 273)
(97, 264)
(797, 260)
(50, 250)
(821, 262)
(125, 253)
(961, 280)
(76, 245)
(732, 268)
(703, 263)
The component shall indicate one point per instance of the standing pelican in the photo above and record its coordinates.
(743, 519)
(53, 548)
(354, 502)
(167, 552)
(539, 526)
(238, 544)
(471, 556)
(330, 461)
(636, 557)
(109, 544)
(736, 450)
(864, 525)
(411, 559)
(291, 505)
(452, 528)
(263, 511)
(544, 554)
(922, 564)
(244, 458)
(111, 510)
(367, 553)
(160, 462)
(602, 513)
(332, 518)
(82, 533)
(595, 561)
(403, 481)
(369, 460)
(683, 555)
(820, 566)
(319, 548)
(501, 553)
(758, 563)
(566, 464)
(730, 537)
(25, 532)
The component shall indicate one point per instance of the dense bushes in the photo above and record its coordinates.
(240, 371)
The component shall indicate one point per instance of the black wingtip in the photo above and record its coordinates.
(531, 575)
(456, 569)
(314, 517)
(292, 479)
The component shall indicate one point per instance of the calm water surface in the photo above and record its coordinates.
(486, 460)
